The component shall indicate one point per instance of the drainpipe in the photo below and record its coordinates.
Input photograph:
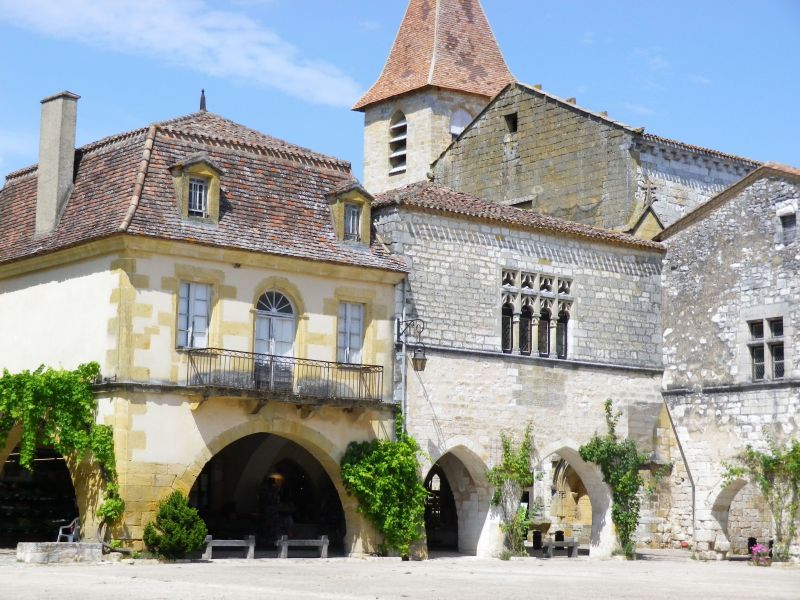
(688, 473)
(404, 364)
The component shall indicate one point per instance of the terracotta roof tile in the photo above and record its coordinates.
(273, 195)
(442, 43)
(440, 199)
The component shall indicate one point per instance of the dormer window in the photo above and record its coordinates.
(352, 222)
(197, 188)
(398, 136)
(198, 197)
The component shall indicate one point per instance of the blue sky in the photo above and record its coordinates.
(721, 74)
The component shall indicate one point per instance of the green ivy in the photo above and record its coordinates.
(508, 479)
(57, 408)
(619, 461)
(384, 476)
(776, 472)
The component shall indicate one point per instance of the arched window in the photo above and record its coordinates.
(525, 330)
(274, 325)
(274, 342)
(458, 122)
(561, 334)
(544, 333)
(507, 332)
(398, 135)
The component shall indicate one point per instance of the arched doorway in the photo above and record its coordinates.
(441, 517)
(739, 512)
(34, 504)
(266, 485)
(575, 499)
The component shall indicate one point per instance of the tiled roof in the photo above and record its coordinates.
(442, 43)
(272, 198)
(770, 169)
(436, 198)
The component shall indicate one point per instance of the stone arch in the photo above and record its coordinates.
(360, 537)
(464, 464)
(603, 541)
(712, 530)
(284, 286)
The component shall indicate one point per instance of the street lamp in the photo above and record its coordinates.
(417, 326)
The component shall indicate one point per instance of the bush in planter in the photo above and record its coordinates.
(177, 529)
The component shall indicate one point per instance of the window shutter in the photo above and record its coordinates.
(341, 345)
(199, 300)
(356, 332)
(183, 316)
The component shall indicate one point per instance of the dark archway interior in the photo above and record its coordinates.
(34, 504)
(268, 486)
(441, 518)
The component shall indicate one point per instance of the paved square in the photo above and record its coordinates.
(659, 576)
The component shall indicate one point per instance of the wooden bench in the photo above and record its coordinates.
(548, 546)
(248, 543)
(285, 542)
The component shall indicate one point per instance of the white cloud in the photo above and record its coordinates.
(700, 80)
(639, 109)
(189, 33)
(369, 25)
(588, 38)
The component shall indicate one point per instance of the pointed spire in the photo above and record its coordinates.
(202, 100)
(442, 43)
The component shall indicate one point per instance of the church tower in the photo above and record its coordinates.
(443, 68)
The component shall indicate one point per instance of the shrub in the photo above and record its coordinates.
(177, 529)
(384, 476)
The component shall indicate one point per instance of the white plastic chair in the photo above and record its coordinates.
(71, 532)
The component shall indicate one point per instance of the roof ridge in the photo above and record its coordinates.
(311, 157)
(402, 196)
(432, 67)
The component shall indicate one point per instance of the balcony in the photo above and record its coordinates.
(283, 377)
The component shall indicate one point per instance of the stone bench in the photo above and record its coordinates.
(285, 542)
(248, 543)
(571, 547)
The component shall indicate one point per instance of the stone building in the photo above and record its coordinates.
(528, 319)
(731, 316)
(229, 287)
(531, 149)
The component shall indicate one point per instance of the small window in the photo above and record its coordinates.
(757, 358)
(507, 331)
(789, 228)
(775, 328)
(351, 333)
(525, 330)
(193, 315)
(511, 122)
(776, 352)
(544, 334)
(756, 330)
(398, 136)
(561, 334)
(352, 222)
(198, 197)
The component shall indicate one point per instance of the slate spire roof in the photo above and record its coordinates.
(442, 43)
(273, 198)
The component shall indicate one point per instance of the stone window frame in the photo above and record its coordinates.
(196, 168)
(786, 223)
(538, 293)
(398, 143)
(769, 344)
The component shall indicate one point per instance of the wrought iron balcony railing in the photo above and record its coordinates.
(283, 376)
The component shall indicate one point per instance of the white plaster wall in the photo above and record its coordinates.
(58, 317)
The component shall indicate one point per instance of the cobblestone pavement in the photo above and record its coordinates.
(659, 576)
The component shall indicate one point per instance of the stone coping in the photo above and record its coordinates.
(59, 552)
(749, 386)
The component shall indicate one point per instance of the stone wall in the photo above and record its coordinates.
(568, 162)
(560, 161)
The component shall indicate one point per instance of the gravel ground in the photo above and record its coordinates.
(659, 575)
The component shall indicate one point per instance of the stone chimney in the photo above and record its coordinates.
(56, 158)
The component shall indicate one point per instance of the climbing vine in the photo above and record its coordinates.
(776, 472)
(57, 408)
(619, 461)
(508, 479)
(384, 476)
